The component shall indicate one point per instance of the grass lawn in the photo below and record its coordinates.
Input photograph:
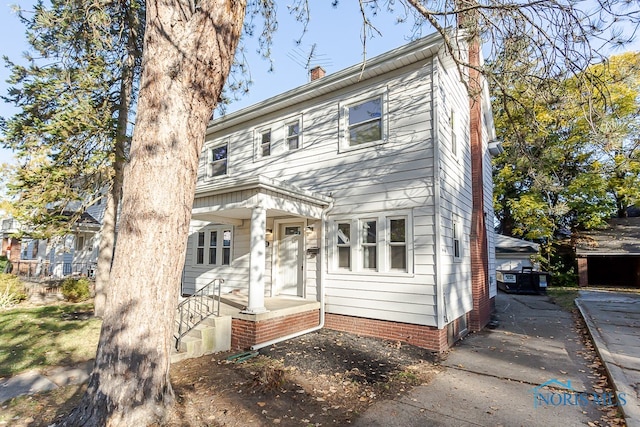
(564, 296)
(37, 337)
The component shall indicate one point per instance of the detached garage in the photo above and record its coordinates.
(610, 257)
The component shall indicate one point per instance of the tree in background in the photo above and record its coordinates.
(572, 151)
(72, 133)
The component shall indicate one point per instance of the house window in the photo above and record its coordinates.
(365, 121)
(398, 244)
(454, 133)
(213, 246)
(218, 160)
(380, 243)
(293, 135)
(265, 143)
(456, 239)
(344, 245)
(200, 248)
(79, 243)
(226, 247)
(29, 249)
(369, 244)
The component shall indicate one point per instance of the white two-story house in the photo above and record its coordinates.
(346, 203)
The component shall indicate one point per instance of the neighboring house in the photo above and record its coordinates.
(513, 254)
(610, 257)
(72, 254)
(346, 203)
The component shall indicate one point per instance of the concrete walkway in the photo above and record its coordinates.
(613, 319)
(529, 371)
(36, 381)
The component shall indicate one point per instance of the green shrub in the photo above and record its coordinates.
(3, 263)
(12, 291)
(76, 290)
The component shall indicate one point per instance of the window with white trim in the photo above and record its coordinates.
(456, 235)
(374, 243)
(79, 243)
(363, 120)
(218, 160)
(29, 249)
(369, 243)
(213, 246)
(293, 130)
(344, 245)
(265, 143)
(397, 243)
(454, 133)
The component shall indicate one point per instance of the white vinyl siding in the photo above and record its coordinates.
(455, 188)
(384, 180)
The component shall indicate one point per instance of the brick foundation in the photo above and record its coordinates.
(427, 337)
(245, 333)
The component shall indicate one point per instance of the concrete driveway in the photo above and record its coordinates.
(613, 319)
(532, 370)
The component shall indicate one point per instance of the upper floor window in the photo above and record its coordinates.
(29, 249)
(363, 120)
(265, 143)
(454, 133)
(213, 246)
(80, 243)
(218, 160)
(293, 135)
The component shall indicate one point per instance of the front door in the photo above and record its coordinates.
(290, 265)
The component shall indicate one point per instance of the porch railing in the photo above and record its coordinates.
(194, 309)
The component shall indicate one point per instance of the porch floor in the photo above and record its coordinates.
(232, 305)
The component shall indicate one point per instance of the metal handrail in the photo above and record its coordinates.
(194, 309)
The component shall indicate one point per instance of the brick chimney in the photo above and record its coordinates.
(317, 73)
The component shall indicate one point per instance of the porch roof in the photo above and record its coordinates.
(228, 201)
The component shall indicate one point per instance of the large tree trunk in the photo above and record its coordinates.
(187, 57)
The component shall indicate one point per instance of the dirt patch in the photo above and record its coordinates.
(322, 378)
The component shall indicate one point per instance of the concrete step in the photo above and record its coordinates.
(213, 335)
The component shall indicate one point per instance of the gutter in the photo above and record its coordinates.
(320, 290)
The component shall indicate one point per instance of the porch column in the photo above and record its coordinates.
(257, 261)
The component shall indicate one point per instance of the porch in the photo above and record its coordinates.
(284, 317)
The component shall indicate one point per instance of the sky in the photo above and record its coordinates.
(335, 32)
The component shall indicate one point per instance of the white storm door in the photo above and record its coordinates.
(290, 260)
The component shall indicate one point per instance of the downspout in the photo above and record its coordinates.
(320, 272)
(437, 191)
